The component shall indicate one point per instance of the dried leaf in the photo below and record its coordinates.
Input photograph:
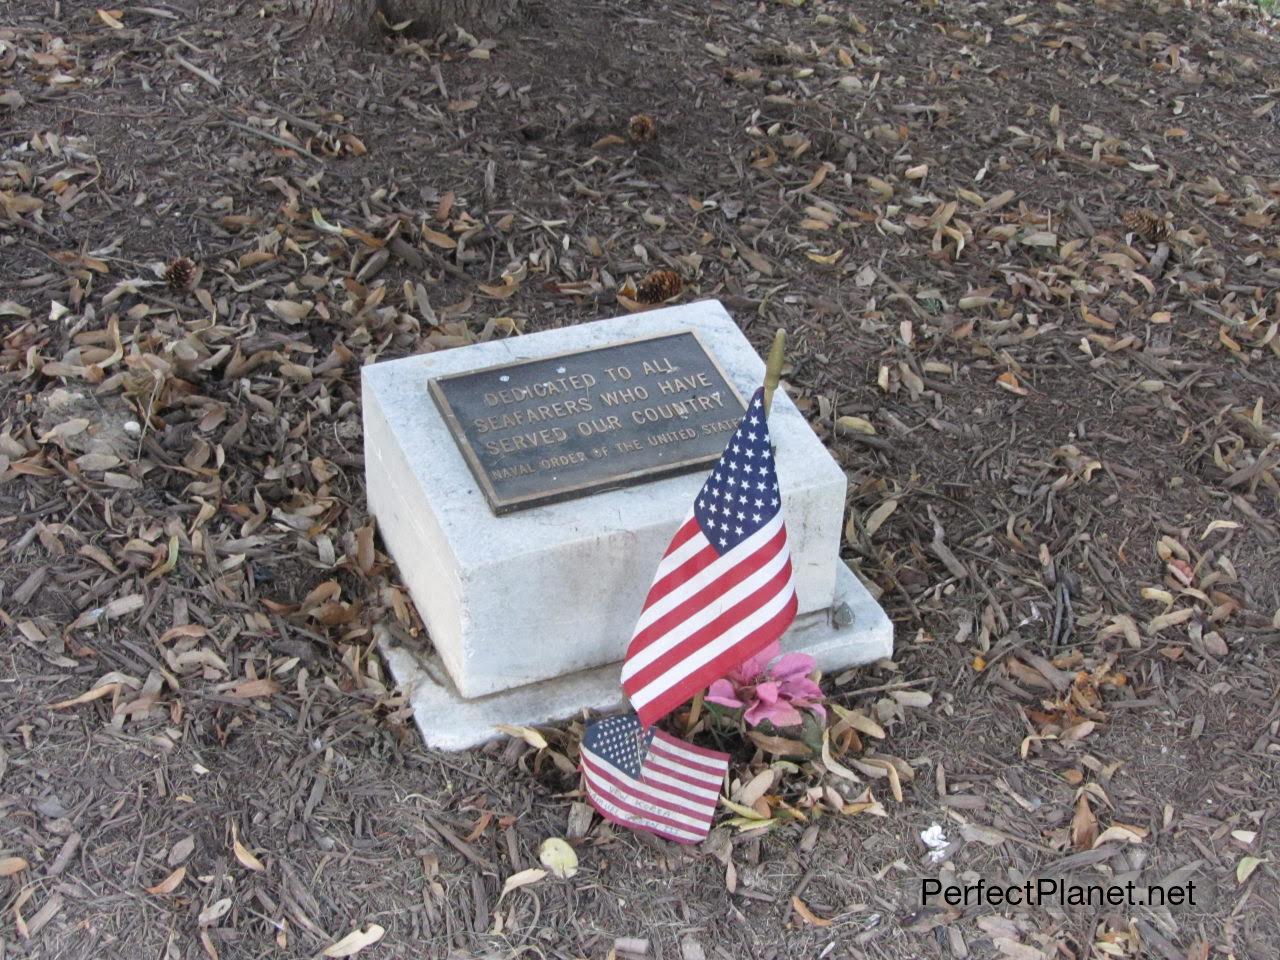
(749, 813)
(291, 311)
(879, 515)
(521, 879)
(262, 687)
(1171, 619)
(95, 693)
(1120, 833)
(168, 884)
(1077, 731)
(247, 859)
(833, 765)
(1244, 869)
(215, 912)
(1084, 825)
(912, 698)
(355, 941)
(1219, 525)
(881, 768)
(864, 803)
(780, 746)
(849, 424)
(12, 865)
(807, 915)
(527, 734)
(857, 720)
(1010, 383)
(558, 857)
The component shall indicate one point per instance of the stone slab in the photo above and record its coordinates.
(856, 631)
(556, 589)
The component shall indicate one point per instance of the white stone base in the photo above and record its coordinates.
(555, 590)
(855, 631)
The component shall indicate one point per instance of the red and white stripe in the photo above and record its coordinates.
(675, 796)
(706, 613)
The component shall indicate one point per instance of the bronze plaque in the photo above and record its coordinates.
(538, 431)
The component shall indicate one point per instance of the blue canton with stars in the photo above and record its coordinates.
(741, 495)
(620, 740)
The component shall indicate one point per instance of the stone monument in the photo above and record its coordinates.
(527, 487)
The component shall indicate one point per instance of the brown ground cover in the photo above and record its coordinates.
(1028, 257)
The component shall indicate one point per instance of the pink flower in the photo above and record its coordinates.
(771, 687)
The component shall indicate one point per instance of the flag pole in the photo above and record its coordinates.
(773, 368)
(772, 374)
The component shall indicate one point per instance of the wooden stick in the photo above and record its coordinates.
(773, 368)
(695, 712)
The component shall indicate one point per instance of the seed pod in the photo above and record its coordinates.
(642, 128)
(1146, 224)
(180, 274)
(659, 287)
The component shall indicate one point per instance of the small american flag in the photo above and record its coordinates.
(723, 591)
(646, 779)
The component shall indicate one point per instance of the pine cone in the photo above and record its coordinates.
(659, 287)
(642, 128)
(1150, 226)
(180, 274)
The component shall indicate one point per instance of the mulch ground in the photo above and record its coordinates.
(1028, 257)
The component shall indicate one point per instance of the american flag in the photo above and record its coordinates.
(646, 779)
(723, 591)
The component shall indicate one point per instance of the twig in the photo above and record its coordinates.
(898, 685)
(902, 294)
(271, 137)
(204, 75)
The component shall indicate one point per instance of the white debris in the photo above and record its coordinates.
(936, 841)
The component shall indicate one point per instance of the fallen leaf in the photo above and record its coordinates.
(1084, 825)
(11, 865)
(864, 803)
(92, 694)
(749, 813)
(355, 941)
(1010, 383)
(1078, 731)
(833, 765)
(66, 429)
(858, 720)
(879, 515)
(1219, 525)
(856, 425)
(521, 879)
(169, 883)
(247, 859)
(1119, 832)
(912, 698)
(1172, 619)
(558, 857)
(529, 735)
(1246, 866)
(807, 915)
(291, 311)
(780, 746)
(882, 768)
(215, 912)
(261, 687)
(756, 787)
